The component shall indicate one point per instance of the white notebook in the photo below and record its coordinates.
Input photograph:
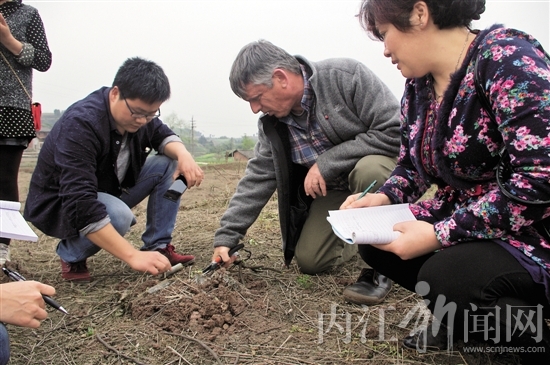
(371, 225)
(12, 223)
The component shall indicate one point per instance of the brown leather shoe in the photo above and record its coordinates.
(75, 271)
(370, 289)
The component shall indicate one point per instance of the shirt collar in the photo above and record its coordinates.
(307, 98)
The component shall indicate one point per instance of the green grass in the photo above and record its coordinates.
(212, 158)
(304, 281)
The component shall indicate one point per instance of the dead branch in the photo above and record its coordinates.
(177, 353)
(197, 341)
(118, 352)
(280, 347)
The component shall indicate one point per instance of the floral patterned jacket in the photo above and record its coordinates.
(455, 145)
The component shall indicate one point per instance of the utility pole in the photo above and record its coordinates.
(192, 137)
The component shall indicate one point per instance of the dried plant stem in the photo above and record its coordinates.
(118, 352)
(180, 355)
(280, 347)
(197, 341)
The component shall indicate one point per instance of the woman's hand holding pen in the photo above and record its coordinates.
(369, 200)
(21, 303)
(417, 238)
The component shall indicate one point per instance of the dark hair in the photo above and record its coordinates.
(445, 13)
(255, 64)
(142, 79)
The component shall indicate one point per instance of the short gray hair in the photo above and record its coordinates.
(255, 64)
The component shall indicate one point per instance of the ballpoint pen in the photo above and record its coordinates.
(367, 190)
(15, 276)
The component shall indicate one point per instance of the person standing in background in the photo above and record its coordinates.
(23, 46)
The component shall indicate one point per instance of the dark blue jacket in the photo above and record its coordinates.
(78, 160)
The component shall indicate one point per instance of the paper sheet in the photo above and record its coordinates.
(372, 225)
(12, 223)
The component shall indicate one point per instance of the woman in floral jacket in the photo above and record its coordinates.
(473, 253)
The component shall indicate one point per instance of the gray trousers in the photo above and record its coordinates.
(318, 248)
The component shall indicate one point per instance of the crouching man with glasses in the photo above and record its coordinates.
(94, 167)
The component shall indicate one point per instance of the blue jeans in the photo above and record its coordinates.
(4, 345)
(153, 181)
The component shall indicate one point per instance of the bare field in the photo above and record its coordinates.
(257, 313)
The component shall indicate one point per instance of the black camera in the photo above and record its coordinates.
(176, 189)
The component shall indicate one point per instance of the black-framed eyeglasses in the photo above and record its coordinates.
(147, 117)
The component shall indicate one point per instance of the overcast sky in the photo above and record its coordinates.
(196, 41)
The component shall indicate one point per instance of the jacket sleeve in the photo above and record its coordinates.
(369, 115)
(75, 154)
(157, 131)
(405, 184)
(253, 192)
(35, 52)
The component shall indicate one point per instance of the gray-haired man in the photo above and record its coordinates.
(328, 129)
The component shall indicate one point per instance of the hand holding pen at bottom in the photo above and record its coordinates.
(21, 303)
(15, 276)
